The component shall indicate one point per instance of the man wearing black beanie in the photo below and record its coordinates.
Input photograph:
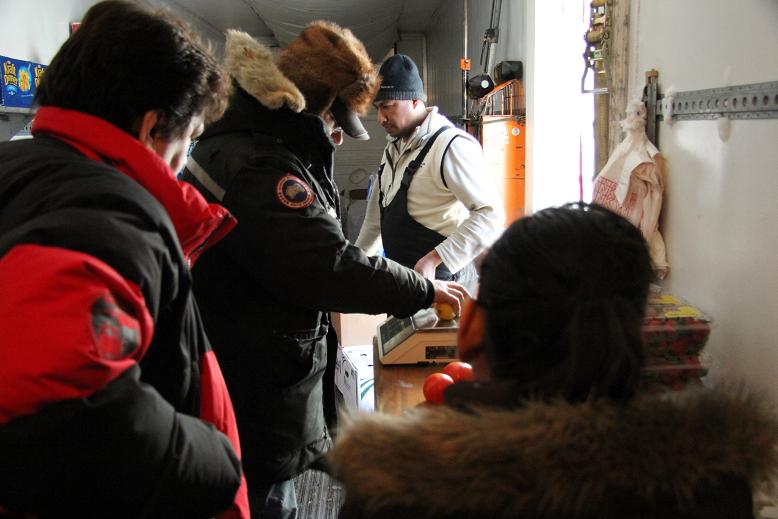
(435, 206)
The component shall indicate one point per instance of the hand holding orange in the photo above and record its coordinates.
(445, 311)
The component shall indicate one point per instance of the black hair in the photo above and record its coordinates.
(564, 292)
(124, 61)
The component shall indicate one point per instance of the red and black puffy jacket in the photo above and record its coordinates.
(109, 390)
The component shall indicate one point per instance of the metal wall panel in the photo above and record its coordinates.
(445, 46)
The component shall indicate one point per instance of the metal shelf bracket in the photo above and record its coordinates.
(12, 120)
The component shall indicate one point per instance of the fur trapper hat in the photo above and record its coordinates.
(327, 62)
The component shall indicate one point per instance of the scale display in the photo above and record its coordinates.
(421, 338)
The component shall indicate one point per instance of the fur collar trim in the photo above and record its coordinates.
(252, 66)
(559, 457)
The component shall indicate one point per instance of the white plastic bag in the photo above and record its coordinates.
(632, 183)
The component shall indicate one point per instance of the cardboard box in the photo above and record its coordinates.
(356, 329)
(19, 82)
(354, 380)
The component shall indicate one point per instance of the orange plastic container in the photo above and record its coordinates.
(503, 139)
(502, 130)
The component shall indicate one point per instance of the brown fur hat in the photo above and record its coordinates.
(327, 62)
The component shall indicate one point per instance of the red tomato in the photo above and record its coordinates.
(459, 371)
(434, 386)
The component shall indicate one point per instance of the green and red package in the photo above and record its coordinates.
(675, 333)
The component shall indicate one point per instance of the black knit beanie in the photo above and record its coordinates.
(400, 80)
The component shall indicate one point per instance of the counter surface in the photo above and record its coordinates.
(399, 387)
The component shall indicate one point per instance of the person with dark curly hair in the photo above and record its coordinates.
(112, 403)
(555, 424)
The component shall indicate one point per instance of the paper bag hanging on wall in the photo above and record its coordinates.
(632, 182)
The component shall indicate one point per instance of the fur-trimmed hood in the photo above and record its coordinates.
(323, 63)
(251, 64)
(556, 458)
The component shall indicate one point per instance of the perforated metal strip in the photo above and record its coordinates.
(752, 101)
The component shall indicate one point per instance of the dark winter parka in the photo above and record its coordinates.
(266, 290)
(105, 370)
(695, 455)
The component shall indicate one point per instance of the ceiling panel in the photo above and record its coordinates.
(417, 14)
(227, 14)
(375, 22)
(372, 21)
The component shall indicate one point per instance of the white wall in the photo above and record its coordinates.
(721, 209)
(355, 161)
(35, 29)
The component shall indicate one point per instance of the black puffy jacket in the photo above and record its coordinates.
(266, 290)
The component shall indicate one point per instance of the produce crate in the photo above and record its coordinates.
(675, 333)
(677, 375)
(674, 329)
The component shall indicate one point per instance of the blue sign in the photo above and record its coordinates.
(19, 82)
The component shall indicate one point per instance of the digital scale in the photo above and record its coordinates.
(421, 338)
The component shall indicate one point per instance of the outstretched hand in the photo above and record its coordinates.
(450, 292)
